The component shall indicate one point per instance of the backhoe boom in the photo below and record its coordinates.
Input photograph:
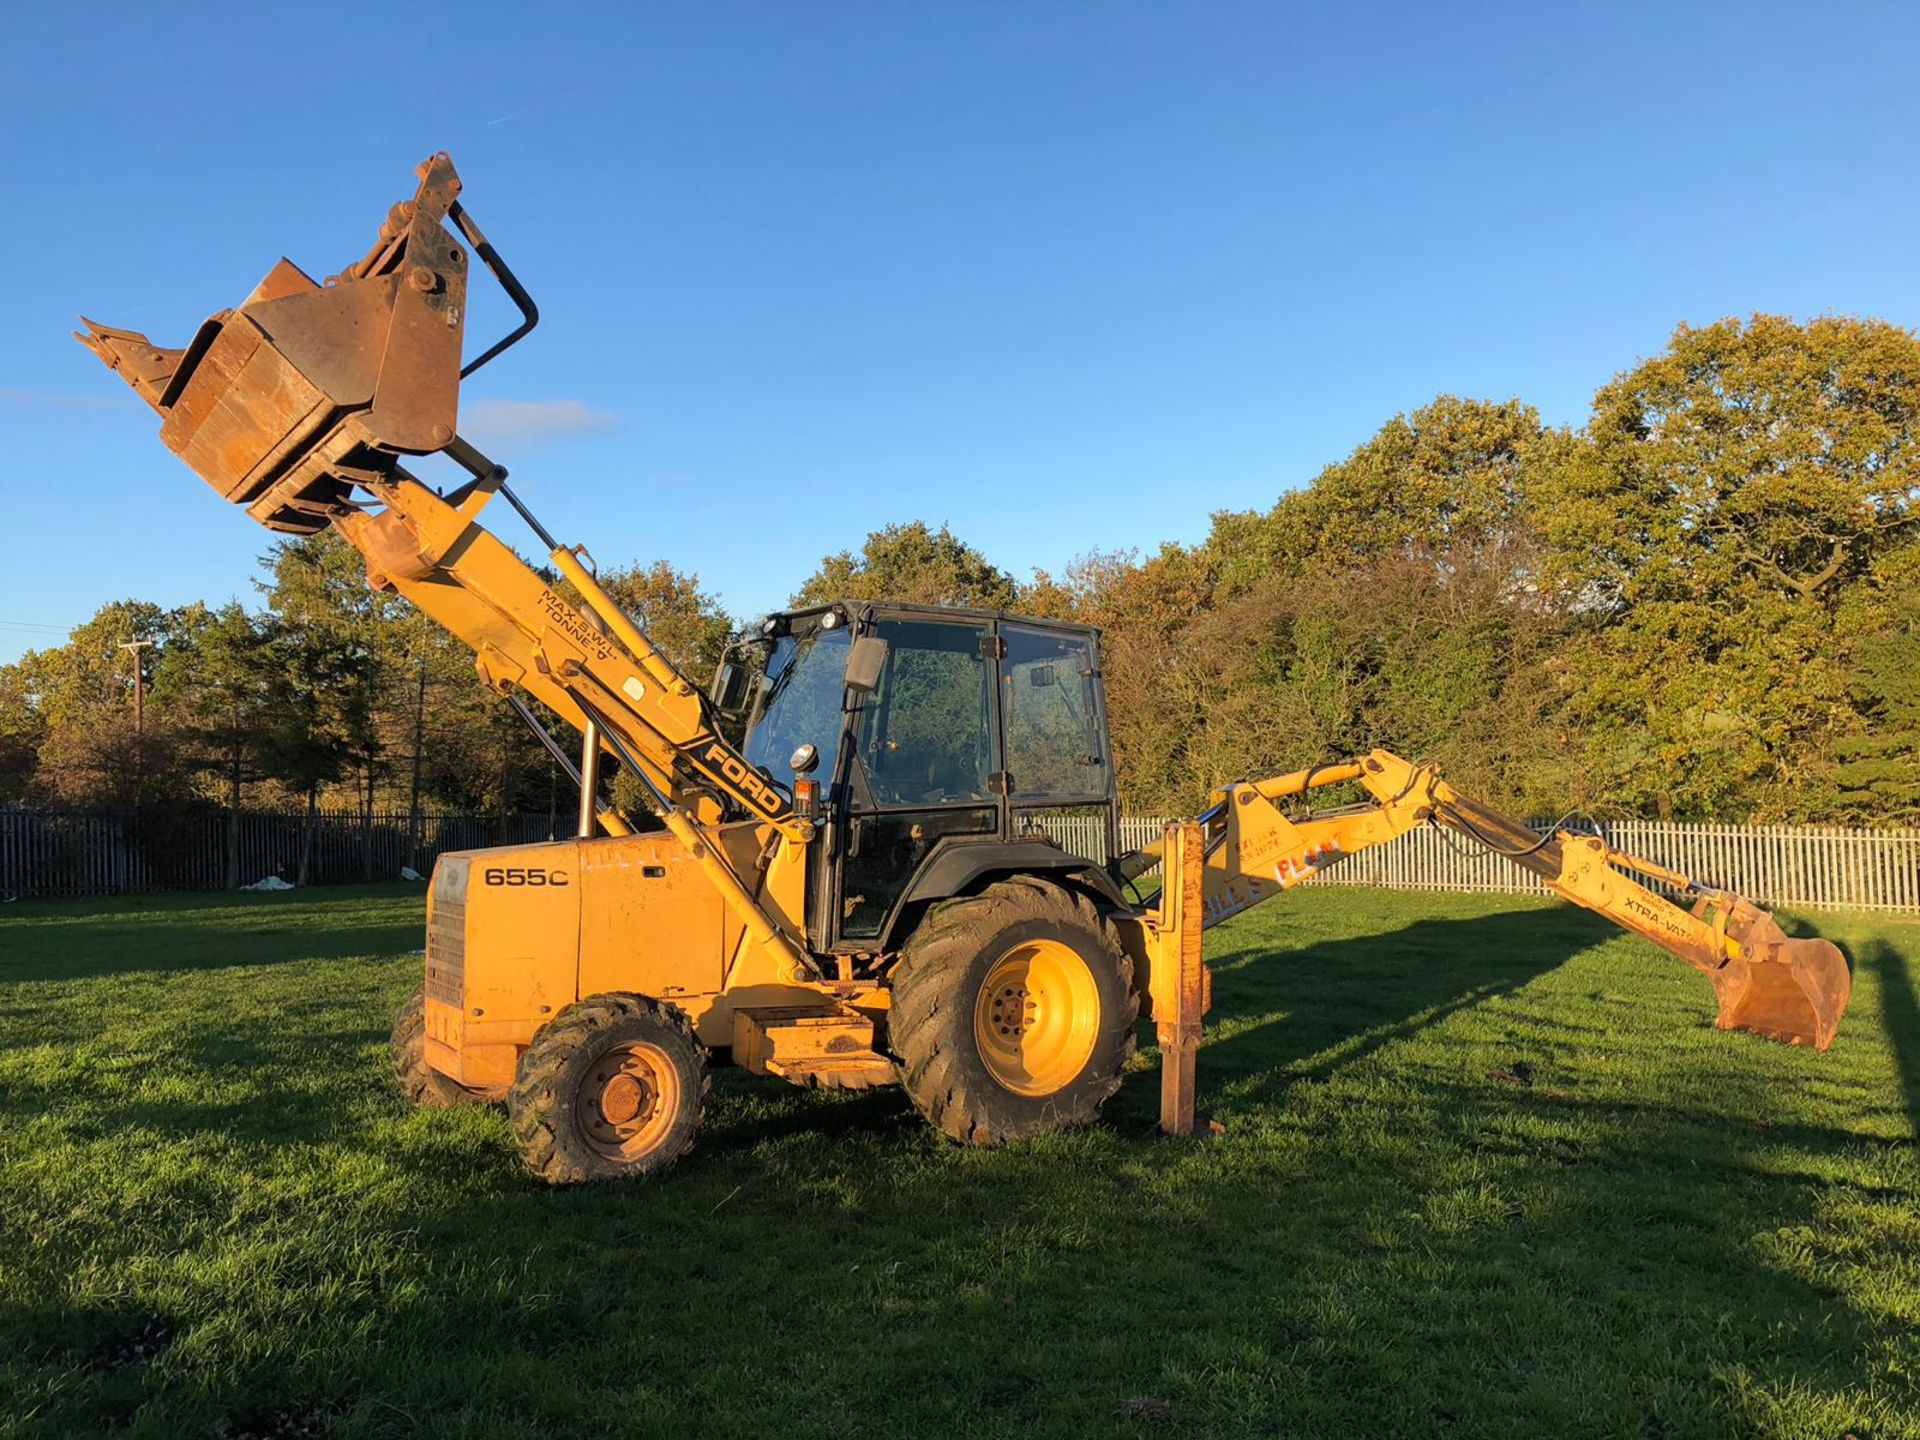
(1246, 848)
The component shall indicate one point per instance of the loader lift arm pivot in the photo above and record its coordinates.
(1245, 848)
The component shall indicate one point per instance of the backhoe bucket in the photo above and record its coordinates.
(1789, 990)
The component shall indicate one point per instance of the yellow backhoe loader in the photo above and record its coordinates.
(890, 831)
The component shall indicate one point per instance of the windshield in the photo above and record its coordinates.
(798, 703)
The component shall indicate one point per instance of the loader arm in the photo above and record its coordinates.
(301, 403)
(1246, 848)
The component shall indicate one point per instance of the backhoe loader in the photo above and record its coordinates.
(889, 833)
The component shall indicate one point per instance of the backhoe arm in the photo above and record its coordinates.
(1790, 990)
(301, 403)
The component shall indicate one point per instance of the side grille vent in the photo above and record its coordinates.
(447, 934)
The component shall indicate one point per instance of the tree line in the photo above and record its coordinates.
(1701, 603)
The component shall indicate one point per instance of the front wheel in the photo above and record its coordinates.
(612, 1086)
(420, 1082)
(1013, 1013)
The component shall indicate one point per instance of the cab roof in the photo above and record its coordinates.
(935, 612)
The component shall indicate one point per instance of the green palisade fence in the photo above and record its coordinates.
(46, 854)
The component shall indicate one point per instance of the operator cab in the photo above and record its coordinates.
(948, 744)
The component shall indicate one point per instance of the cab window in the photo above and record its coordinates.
(1051, 703)
(926, 731)
(798, 701)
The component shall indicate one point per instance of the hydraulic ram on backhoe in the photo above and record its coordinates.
(1246, 848)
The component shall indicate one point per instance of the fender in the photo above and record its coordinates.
(953, 868)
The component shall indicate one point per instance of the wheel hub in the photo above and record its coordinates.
(627, 1100)
(623, 1098)
(1037, 1017)
(1014, 1008)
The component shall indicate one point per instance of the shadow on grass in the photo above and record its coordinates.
(1900, 1014)
(1345, 999)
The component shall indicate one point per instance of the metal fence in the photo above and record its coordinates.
(49, 853)
(1815, 867)
(65, 854)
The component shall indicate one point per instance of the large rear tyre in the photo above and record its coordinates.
(612, 1086)
(420, 1083)
(1013, 1013)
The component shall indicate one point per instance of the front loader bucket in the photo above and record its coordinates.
(306, 390)
(1789, 990)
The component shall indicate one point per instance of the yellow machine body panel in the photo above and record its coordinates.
(503, 950)
(517, 933)
(652, 922)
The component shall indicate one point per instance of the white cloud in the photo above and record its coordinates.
(528, 422)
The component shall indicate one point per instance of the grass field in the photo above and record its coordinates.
(1487, 1170)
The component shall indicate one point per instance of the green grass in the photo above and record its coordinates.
(1487, 1170)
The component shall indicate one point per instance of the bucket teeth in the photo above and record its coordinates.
(142, 364)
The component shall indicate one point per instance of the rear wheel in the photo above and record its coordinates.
(1013, 1013)
(420, 1082)
(612, 1086)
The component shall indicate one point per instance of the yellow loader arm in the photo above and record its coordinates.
(301, 403)
(1246, 848)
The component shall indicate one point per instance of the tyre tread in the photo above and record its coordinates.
(535, 1097)
(931, 971)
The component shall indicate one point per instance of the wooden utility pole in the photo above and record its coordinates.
(135, 647)
(139, 687)
(419, 756)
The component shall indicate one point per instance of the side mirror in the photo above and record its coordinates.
(730, 685)
(864, 664)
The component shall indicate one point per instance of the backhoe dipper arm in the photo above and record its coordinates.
(1791, 990)
(300, 405)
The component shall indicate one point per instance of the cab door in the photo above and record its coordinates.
(1060, 780)
(925, 765)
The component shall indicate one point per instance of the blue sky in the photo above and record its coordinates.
(1064, 276)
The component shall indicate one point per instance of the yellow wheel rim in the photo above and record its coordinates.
(628, 1103)
(1037, 1017)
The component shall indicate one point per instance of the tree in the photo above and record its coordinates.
(912, 563)
(1879, 761)
(218, 685)
(1159, 687)
(23, 732)
(1389, 602)
(338, 646)
(1443, 662)
(1732, 493)
(82, 697)
(1449, 480)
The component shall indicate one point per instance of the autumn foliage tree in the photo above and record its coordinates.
(911, 563)
(1699, 604)
(1732, 495)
